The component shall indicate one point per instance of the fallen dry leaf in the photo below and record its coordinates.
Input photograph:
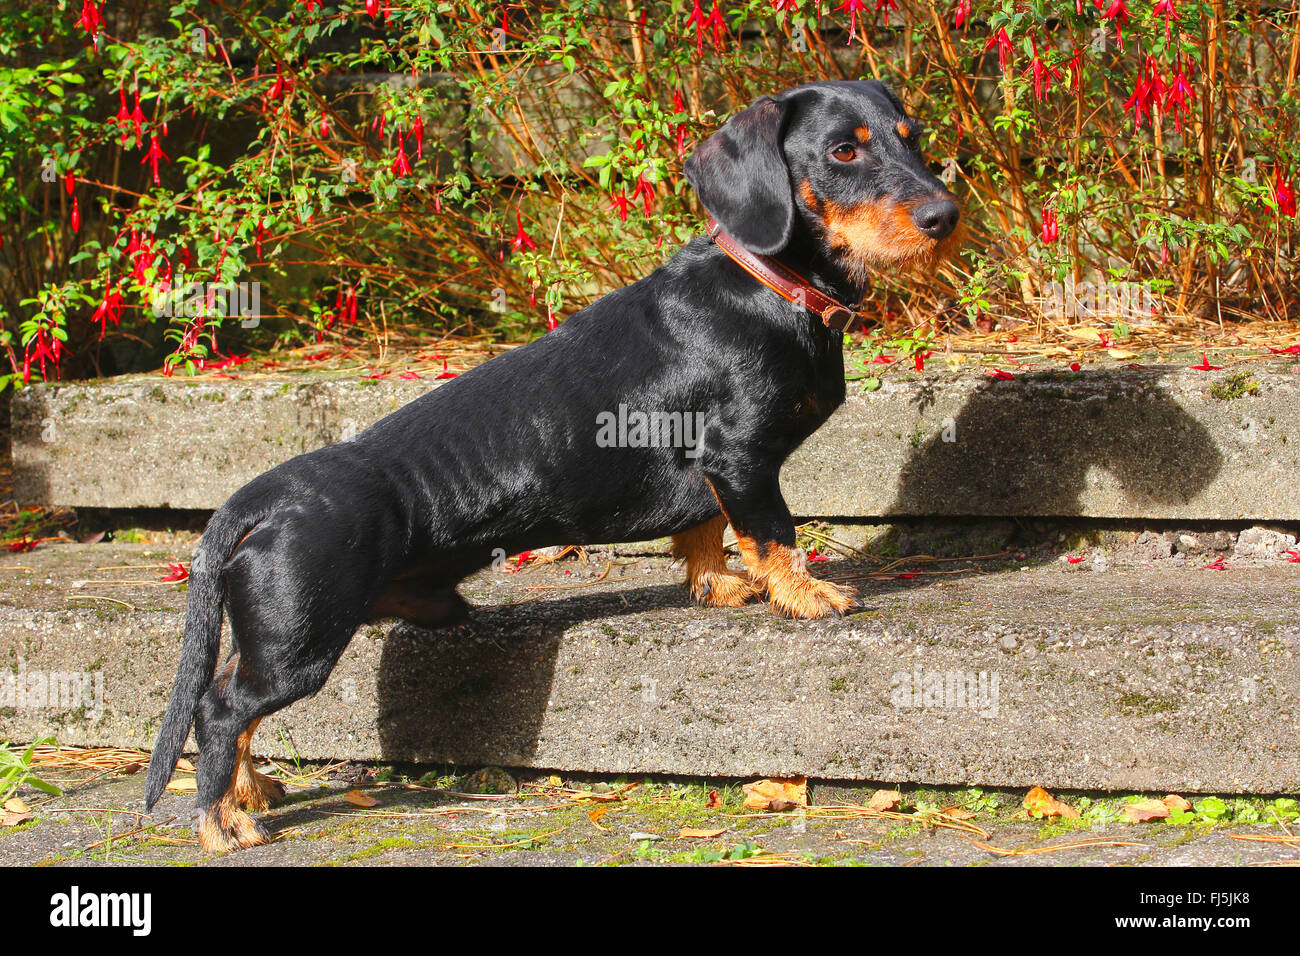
(776, 795)
(1043, 805)
(714, 801)
(1121, 354)
(13, 819)
(1145, 810)
(185, 765)
(359, 799)
(690, 833)
(957, 813)
(595, 813)
(1175, 802)
(16, 805)
(182, 785)
(885, 800)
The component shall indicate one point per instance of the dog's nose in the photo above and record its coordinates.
(936, 218)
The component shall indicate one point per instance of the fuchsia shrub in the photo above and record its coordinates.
(486, 168)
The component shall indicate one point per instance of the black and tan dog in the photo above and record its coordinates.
(824, 181)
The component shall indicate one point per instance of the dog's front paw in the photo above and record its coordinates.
(723, 589)
(803, 596)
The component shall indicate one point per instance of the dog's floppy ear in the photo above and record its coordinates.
(742, 179)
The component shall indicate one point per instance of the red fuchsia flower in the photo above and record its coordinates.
(1205, 365)
(522, 240)
(961, 14)
(998, 375)
(372, 8)
(109, 309)
(1215, 565)
(1074, 558)
(123, 117)
(717, 26)
(1289, 350)
(277, 88)
(91, 20)
(409, 375)
(401, 166)
(154, 154)
(350, 308)
(646, 190)
(258, 238)
(1284, 194)
(377, 124)
(1118, 11)
(1050, 230)
(620, 204)
(311, 4)
(1179, 95)
(1001, 40)
(888, 5)
(1075, 366)
(75, 218)
(1076, 68)
(711, 23)
(813, 556)
(324, 125)
(1043, 74)
(551, 323)
(43, 345)
(176, 572)
(1292, 557)
(137, 118)
(446, 373)
(919, 359)
(22, 546)
(1166, 9)
(785, 6)
(69, 183)
(679, 129)
(1146, 94)
(853, 8)
(417, 131)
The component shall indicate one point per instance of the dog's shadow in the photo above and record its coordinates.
(480, 697)
(1106, 440)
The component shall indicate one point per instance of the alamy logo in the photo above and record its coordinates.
(1086, 300)
(74, 909)
(53, 690)
(946, 690)
(194, 299)
(634, 428)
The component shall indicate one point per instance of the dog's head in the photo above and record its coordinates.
(842, 159)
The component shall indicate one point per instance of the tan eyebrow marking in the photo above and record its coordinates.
(903, 129)
(862, 133)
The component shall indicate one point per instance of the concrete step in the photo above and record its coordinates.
(1153, 442)
(1157, 678)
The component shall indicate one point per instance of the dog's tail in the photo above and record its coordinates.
(200, 646)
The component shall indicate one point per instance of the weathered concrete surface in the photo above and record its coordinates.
(1141, 678)
(1144, 443)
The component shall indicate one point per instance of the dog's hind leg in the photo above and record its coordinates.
(223, 729)
(707, 575)
(253, 790)
(260, 679)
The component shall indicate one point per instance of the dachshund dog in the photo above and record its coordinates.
(811, 190)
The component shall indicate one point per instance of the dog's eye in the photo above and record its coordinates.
(845, 152)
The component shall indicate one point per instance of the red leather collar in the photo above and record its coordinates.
(784, 282)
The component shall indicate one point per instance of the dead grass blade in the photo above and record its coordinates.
(1075, 845)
